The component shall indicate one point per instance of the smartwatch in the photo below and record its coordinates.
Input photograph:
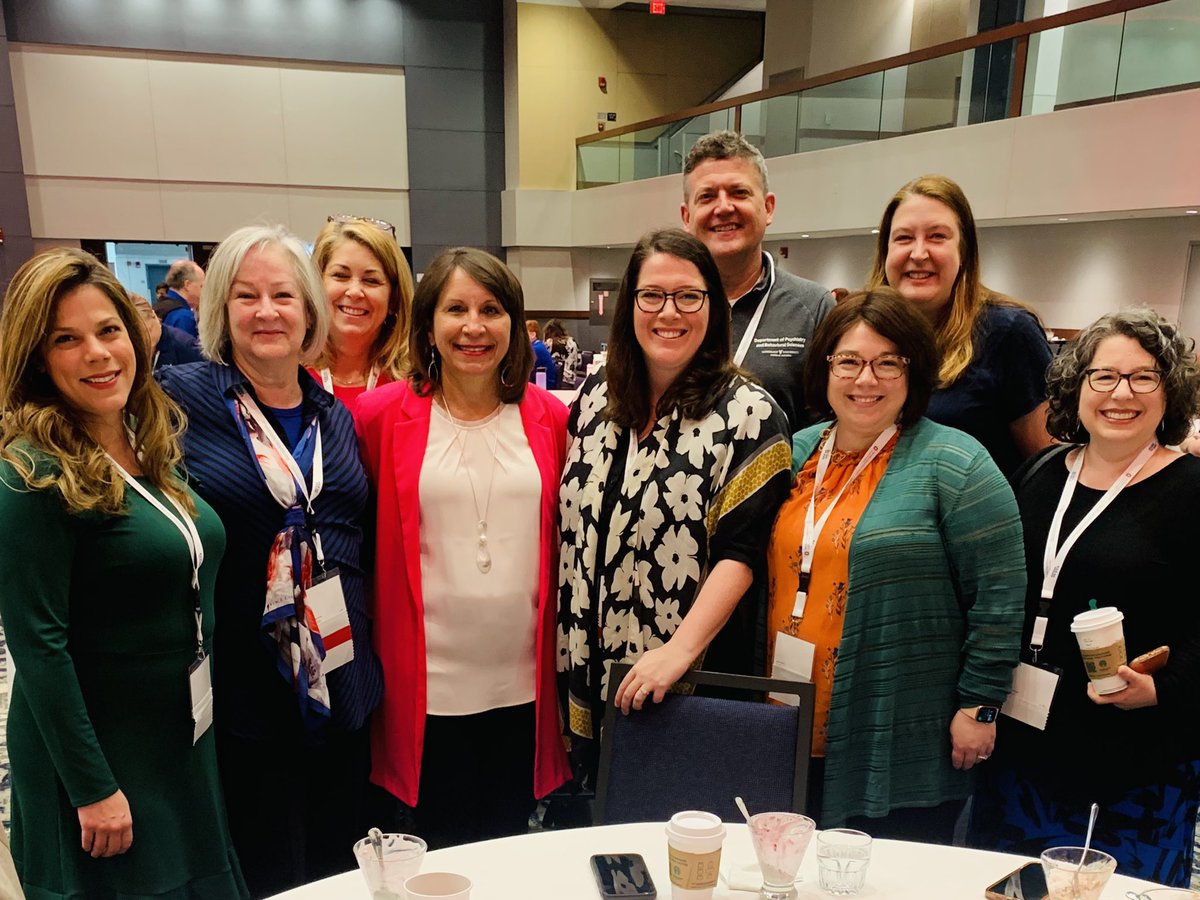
(985, 714)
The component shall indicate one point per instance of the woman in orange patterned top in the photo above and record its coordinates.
(896, 580)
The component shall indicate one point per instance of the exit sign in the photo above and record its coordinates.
(658, 7)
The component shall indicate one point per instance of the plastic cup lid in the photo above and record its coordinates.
(696, 823)
(1096, 618)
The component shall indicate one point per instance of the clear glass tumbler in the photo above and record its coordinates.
(843, 855)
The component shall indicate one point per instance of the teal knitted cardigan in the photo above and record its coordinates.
(933, 621)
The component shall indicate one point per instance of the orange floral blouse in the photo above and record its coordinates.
(825, 610)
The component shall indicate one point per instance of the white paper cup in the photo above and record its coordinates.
(438, 886)
(694, 840)
(1102, 643)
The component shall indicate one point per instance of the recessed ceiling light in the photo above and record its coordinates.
(874, 231)
(1063, 219)
(1192, 212)
(805, 235)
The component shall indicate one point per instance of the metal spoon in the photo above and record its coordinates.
(375, 836)
(741, 804)
(1087, 844)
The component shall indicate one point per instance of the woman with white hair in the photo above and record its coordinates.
(275, 455)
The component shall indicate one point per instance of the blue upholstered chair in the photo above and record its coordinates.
(697, 752)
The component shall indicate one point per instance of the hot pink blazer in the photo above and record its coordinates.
(393, 429)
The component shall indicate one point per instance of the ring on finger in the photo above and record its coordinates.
(981, 757)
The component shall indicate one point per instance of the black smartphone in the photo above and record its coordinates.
(623, 875)
(1027, 883)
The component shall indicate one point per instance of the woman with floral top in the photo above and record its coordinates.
(676, 466)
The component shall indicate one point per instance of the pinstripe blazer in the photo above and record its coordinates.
(251, 699)
(933, 621)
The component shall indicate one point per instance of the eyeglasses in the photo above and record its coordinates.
(885, 367)
(381, 224)
(1105, 381)
(652, 300)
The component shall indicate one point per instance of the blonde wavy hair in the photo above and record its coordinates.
(955, 331)
(389, 350)
(37, 425)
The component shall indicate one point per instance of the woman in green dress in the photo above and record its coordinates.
(108, 561)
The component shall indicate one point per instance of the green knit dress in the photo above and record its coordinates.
(99, 617)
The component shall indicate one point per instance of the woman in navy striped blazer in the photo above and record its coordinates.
(276, 457)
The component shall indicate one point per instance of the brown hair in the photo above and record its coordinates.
(1174, 355)
(36, 422)
(955, 331)
(893, 318)
(495, 277)
(696, 391)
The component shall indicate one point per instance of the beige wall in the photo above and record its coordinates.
(654, 65)
(127, 145)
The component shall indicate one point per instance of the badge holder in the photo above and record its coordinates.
(1034, 684)
(200, 684)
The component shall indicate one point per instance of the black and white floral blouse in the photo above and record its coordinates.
(641, 529)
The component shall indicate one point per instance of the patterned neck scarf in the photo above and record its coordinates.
(289, 628)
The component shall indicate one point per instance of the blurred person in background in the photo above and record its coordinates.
(565, 352)
(168, 346)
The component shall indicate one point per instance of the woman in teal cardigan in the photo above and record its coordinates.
(910, 620)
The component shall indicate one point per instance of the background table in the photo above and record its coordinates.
(554, 865)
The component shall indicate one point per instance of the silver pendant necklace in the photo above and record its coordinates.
(483, 555)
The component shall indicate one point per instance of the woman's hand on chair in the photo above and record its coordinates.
(651, 676)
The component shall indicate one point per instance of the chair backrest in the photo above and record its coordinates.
(698, 752)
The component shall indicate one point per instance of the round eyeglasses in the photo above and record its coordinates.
(1105, 381)
(652, 300)
(885, 367)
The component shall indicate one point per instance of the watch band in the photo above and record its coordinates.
(985, 714)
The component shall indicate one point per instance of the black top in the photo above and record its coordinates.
(1137, 556)
(1005, 381)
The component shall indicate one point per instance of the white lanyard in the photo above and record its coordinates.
(812, 529)
(186, 527)
(1052, 562)
(752, 327)
(372, 379)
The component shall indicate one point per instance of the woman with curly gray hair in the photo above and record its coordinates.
(1101, 515)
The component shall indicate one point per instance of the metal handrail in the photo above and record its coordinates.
(1019, 30)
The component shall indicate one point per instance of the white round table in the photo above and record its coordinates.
(554, 865)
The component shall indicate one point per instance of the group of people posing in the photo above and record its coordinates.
(353, 566)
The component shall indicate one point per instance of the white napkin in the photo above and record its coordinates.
(743, 876)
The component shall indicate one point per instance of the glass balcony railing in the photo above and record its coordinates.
(1145, 50)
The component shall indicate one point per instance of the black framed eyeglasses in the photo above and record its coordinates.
(381, 224)
(652, 300)
(886, 366)
(1142, 381)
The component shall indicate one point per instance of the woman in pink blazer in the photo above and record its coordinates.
(465, 457)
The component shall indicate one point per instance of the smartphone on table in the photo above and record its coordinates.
(1026, 883)
(623, 875)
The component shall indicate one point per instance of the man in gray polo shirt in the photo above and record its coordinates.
(726, 204)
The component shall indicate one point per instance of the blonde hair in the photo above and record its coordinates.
(955, 331)
(213, 315)
(389, 351)
(36, 423)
